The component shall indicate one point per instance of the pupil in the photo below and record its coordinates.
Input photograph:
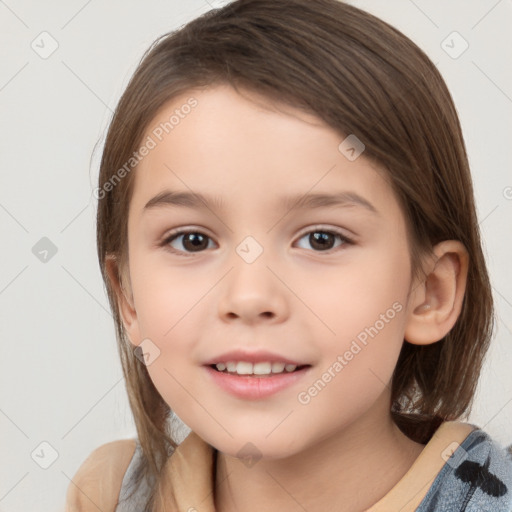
(196, 240)
(321, 239)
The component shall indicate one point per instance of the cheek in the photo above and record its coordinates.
(172, 310)
(354, 296)
(165, 299)
(360, 359)
(365, 312)
(355, 373)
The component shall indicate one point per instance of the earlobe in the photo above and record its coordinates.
(124, 295)
(436, 303)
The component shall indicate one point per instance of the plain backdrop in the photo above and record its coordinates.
(64, 66)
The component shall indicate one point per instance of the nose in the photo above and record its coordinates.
(252, 293)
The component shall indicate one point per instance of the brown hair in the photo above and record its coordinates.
(361, 76)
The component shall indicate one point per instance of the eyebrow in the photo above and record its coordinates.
(298, 201)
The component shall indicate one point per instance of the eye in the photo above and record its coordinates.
(187, 242)
(192, 241)
(322, 240)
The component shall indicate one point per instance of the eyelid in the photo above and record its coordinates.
(199, 229)
(326, 228)
(183, 230)
(175, 233)
(186, 229)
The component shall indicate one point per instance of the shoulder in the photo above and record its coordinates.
(477, 475)
(97, 483)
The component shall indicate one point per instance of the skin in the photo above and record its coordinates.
(341, 451)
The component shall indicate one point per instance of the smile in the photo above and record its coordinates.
(261, 368)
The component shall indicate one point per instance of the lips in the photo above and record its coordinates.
(256, 387)
(255, 375)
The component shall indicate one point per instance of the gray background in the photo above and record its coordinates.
(61, 380)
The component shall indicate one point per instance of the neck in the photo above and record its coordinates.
(348, 471)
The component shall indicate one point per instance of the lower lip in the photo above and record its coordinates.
(255, 387)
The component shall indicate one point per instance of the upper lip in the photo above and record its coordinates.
(252, 357)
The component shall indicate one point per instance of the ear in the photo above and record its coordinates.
(120, 281)
(436, 302)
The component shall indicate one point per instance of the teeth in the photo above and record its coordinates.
(277, 367)
(243, 368)
(262, 368)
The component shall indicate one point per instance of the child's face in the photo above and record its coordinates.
(296, 299)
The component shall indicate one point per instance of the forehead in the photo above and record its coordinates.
(242, 149)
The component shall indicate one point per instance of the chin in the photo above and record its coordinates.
(251, 447)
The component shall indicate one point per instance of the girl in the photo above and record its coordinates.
(287, 232)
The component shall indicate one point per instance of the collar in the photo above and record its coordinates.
(191, 472)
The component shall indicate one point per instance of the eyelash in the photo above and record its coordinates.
(317, 229)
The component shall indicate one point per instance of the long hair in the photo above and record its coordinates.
(361, 76)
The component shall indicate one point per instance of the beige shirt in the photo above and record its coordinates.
(190, 473)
